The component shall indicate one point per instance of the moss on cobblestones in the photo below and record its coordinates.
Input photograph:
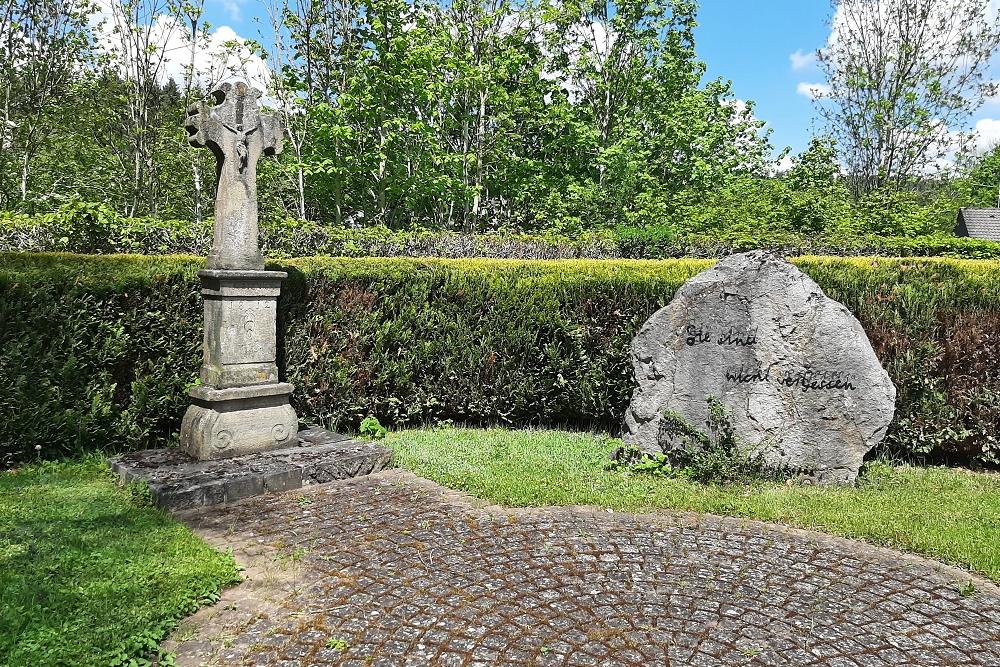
(89, 574)
(950, 514)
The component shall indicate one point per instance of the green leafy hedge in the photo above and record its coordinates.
(96, 352)
(94, 228)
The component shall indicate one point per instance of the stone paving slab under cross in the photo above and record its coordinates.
(177, 481)
(391, 569)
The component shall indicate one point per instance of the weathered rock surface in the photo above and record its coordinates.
(177, 481)
(793, 369)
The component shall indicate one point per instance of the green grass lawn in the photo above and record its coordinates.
(90, 576)
(950, 514)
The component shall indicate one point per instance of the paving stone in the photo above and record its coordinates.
(409, 573)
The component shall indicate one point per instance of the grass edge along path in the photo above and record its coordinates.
(90, 573)
(952, 515)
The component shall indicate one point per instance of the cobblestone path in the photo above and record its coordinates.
(395, 570)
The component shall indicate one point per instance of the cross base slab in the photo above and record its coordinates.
(223, 423)
(179, 482)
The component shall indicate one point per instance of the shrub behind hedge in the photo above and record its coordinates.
(96, 352)
(93, 228)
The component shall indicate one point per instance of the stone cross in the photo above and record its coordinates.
(237, 134)
(240, 407)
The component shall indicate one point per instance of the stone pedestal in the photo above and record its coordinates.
(240, 407)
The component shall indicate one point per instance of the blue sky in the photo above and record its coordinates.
(749, 42)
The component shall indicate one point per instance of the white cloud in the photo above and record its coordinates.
(945, 19)
(784, 165)
(234, 8)
(602, 38)
(940, 167)
(595, 40)
(948, 22)
(952, 143)
(987, 134)
(813, 90)
(222, 55)
(801, 61)
(868, 13)
(740, 106)
(100, 14)
(742, 111)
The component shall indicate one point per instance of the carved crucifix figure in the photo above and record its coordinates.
(237, 134)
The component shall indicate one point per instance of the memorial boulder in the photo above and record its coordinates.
(791, 368)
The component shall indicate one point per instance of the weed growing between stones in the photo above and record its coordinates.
(140, 493)
(336, 644)
(372, 428)
(968, 589)
(715, 456)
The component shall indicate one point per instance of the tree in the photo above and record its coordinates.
(816, 167)
(450, 114)
(818, 199)
(42, 46)
(189, 14)
(984, 179)
(140, 30)
(414, 108)
(635, 82)
(902, 76)
(293, 25)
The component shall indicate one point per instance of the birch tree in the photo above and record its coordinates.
(43, 44)
(189, 13)
(292, 25)
(903, 77)
(141, 31)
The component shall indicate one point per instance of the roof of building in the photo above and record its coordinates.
(979, 223)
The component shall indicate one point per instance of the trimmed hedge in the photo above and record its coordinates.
(96, 352)
(93, 228)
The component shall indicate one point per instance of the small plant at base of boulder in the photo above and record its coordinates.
(715, 457)
(371, 428)
(631, 459)
(140, 493)
(877, 472)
